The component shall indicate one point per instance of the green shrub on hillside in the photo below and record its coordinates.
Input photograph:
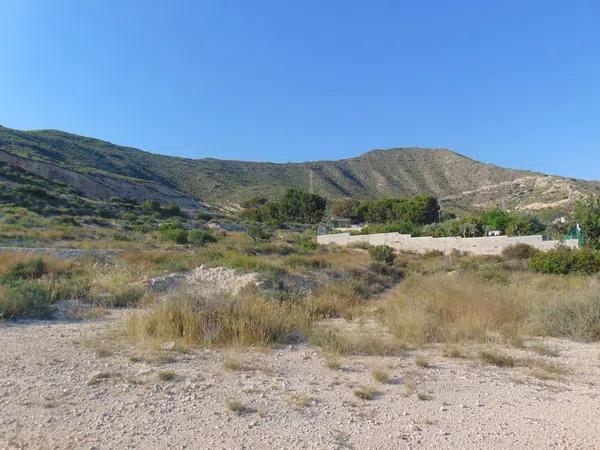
(173, 231)
(307, 242)
(28, 269)
(382, 254)
(200, 237)
(258, 232)
(563, 261)
(24, 299)
(587, 214)
(519, 251)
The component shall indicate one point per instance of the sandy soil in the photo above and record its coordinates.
(62, 388)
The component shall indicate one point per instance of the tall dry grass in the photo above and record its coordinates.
(192, 319)
(117, 285)
(459, 306)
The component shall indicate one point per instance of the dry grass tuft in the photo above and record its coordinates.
(167, 375)
(422, 362)
(433, 308)
(232, 364)
(497, 359)
(300, 401)
(545, 350)
(381, 376)
(366, 393)
(239, 408)
(454, 351)
(333, 364)
(197, 320)
(101, 376)
(356, 343)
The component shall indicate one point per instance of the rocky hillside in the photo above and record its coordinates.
(99, 169)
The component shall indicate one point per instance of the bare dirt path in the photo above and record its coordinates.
(59, 391)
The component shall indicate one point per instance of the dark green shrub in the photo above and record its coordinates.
(586, 260)
(200, 237)
(28, 269)
(557, 261)
(173, 231)
(564, 260)
(383, 268)
(65, 220)
(519, 251)
(172, 210)
(307, 242)
(587, 214)
(382, 254)
(258, 232)
(24, 299)
(142, 228)
(151, 205)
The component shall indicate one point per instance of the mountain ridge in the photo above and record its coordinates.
(461, 180)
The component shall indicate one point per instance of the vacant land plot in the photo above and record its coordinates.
(67, 385)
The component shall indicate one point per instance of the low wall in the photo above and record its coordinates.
(493, 245)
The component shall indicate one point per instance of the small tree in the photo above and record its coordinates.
(345, 208)
(258, 232)
(173, 231)
(587, 214)
(200, 237)
(382, 254)
(496, 219)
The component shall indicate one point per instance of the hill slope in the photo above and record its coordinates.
(86, 164)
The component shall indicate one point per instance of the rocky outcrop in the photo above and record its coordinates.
(101, 187)
(205, 281)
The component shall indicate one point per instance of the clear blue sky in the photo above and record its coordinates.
(516, 83)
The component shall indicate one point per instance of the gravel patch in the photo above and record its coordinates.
(71, 385)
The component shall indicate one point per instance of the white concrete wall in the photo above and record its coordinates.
(492, 245)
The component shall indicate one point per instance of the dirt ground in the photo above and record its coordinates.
(61, 386)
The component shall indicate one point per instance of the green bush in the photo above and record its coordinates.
(307, 242)
(382, 254)
(556, 261)
(519, 251)
(173, 231)
(24, 299)
(563, 261)
(142, 228)
(383, 268)
(151, 205)
(586, 260)
(200, 237)
(172, 210)
(28, 269)
(258, 232)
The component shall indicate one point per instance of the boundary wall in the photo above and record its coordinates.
(492, 245)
